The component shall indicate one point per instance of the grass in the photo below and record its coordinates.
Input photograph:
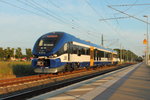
(15, 69)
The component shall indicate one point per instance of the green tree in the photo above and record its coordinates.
(28, 53)
(12, 52)
(1, 53)
(9, 53)
(18, 53)
(127, 55)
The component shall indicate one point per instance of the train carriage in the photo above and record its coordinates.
(59, 51)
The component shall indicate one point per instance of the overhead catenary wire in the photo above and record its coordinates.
(110, 6)
(103, 18)
(125, 11)
(75, 20)
(146, 4)
(60, 8)
(50, 1)
(127, 14)
(130, 6)
(19, 7)
(35, 7)
(113, 18)
(77, 27)
(96, 12)
(100, 16)
(46, 11)
(120, 34)
(38, 8)
(30, 11)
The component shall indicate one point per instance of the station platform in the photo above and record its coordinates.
(134, 86)
(129, 83)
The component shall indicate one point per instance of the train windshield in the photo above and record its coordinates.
(47, 43)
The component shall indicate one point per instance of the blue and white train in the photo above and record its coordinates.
(59, 51)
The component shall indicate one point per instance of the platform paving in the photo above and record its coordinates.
(134, 86)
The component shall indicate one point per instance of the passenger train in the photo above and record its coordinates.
(56, 52)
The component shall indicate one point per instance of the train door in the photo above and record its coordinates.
(112, 62)
(91, 56)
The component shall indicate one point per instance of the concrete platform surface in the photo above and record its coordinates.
(134, 86)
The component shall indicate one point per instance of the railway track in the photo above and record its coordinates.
(23, 86)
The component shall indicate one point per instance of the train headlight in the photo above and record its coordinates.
(55, 55)
(40, 63)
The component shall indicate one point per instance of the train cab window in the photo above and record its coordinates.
(46, 43)
(41, 43)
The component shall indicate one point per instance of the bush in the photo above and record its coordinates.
(15, 68)
(23, 69)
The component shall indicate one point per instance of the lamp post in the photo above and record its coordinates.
(147, 47)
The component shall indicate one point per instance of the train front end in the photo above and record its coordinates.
(45, 60)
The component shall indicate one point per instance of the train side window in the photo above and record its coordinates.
(95, 54)
(88, 51)
(84, 51)
(74, 49)
(79, 53)
(79, 50)
(100, 54)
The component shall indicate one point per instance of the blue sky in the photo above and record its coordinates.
(21, 27)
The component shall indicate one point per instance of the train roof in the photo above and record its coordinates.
(69, 38)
